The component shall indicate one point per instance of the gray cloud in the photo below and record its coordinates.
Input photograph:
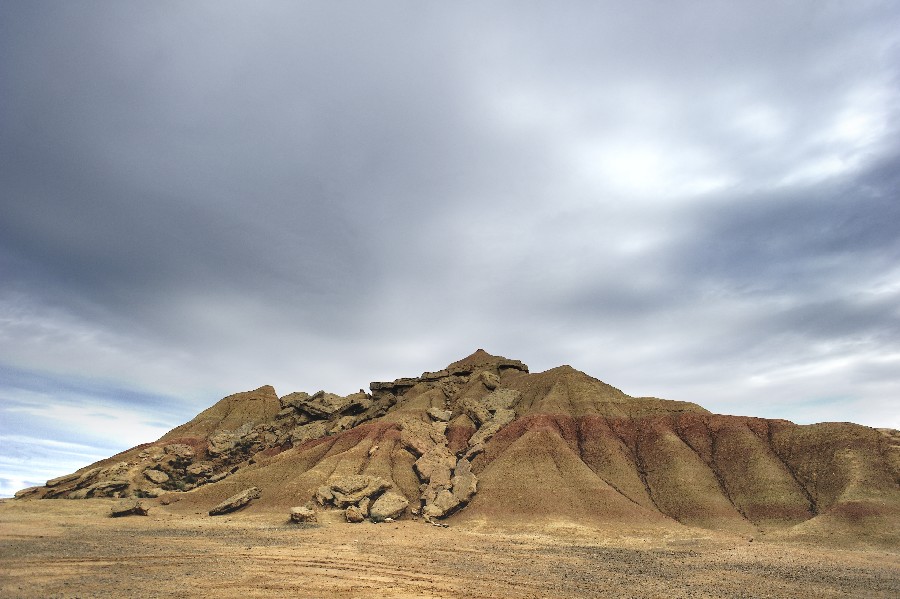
(687, 200)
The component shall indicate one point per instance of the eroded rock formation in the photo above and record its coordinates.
(483, 437)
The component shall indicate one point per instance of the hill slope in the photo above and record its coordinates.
(484, 440)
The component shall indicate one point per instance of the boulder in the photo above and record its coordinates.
(363, 505)
(436, 463)
(235, 502)
(503, 416)
(324, 495)
(439, 415)
(476, 412)
(465, 483)
(389, 505)
(501, 399)
(490, 380)
(418, 436)
(444, 504)
(303, 514)
(500, 419)
(156, 476)
(354, 514)
(129, 508)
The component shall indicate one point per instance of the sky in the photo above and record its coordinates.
(694, 200)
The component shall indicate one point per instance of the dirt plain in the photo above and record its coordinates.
(59, 548)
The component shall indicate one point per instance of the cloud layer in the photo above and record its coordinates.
(687, 200)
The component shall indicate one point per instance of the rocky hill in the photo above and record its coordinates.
(484, 440)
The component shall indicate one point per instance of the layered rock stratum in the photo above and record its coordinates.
(484, 440)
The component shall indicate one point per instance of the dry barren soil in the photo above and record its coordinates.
(58, 548)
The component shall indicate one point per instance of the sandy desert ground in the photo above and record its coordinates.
(58, 548)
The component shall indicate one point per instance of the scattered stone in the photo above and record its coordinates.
(235, 502)
(303, 514)
(129, 508)
(389, 505)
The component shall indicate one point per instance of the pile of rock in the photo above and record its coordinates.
(447, 482)
(362, 497)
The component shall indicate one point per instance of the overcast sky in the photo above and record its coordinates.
(690, 200)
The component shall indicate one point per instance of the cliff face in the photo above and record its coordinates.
(483, 439)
